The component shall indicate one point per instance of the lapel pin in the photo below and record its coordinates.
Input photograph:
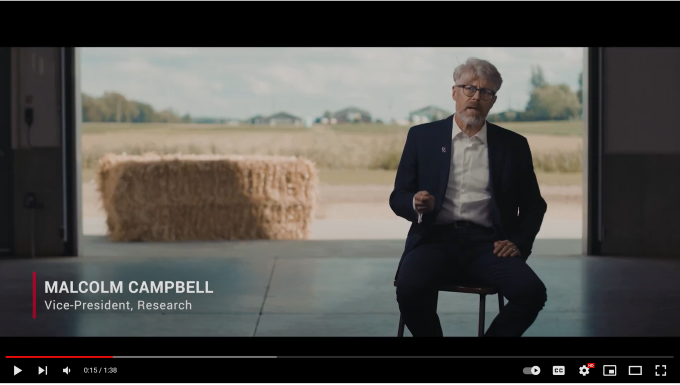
(443, 149)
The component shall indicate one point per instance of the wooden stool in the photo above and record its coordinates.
(483, 291)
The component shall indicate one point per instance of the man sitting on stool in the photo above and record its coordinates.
(461, 182)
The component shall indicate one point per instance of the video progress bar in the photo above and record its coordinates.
(140, 357)
(494, 357)
(475, 357)
(195, 357)
(533, 357)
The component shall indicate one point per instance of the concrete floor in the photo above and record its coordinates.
(369, 229)
(326, 288)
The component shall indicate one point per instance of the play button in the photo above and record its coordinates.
(16, 370)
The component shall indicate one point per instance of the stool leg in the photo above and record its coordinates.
(501, 301)
(482, 313)
(400, 333)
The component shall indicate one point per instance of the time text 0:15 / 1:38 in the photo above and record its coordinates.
(100, 370)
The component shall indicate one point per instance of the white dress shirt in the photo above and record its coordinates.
(468, 193)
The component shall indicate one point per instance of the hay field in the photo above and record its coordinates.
(556, 146)
(356, 166)
(561, 128)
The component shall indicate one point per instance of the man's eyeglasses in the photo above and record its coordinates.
(484, 93)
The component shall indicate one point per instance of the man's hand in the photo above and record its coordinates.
(506, 249)
(424, 202)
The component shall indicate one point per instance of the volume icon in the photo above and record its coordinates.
(66, 370)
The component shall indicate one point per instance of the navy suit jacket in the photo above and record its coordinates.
(518, 208)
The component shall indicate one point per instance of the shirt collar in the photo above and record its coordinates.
(480, 135)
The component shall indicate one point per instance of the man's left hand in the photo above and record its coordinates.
(506, 249)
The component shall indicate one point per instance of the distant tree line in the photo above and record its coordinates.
(546, 102)
(114, 107)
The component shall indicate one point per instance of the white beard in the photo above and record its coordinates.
(474, 119)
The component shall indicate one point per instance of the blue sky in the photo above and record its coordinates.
(242, 82)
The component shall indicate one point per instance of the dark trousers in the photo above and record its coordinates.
(447, 254)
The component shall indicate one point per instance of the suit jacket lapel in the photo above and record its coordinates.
(496, 155)
(444, 154)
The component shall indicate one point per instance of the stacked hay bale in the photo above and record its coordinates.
(206, 197)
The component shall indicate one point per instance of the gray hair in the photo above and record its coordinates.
(480, 68)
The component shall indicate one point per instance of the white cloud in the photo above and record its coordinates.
(177, 51)
(260, 87)
(187, 81)
(294, 79)
(134, 65)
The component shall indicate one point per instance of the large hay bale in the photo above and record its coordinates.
(206, 197)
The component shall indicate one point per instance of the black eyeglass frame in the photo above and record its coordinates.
(482, 91)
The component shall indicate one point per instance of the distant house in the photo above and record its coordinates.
(283, 119)
(227, 121)
(353, 115)
(428, 114)
(257, 119)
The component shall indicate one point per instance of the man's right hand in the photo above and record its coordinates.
(424, 202)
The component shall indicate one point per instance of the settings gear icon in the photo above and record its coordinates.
(583, 370)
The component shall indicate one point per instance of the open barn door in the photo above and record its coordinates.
(42, 122)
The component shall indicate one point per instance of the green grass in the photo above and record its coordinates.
(562, 128)
(386, 177)
(102, 128)
(369, 128)
(167, 128)
(559, 178)
(357, 177)
(386, 160)
(570, 128)
(558, 161)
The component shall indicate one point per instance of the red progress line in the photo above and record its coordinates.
(58, 356)
(34, 295)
